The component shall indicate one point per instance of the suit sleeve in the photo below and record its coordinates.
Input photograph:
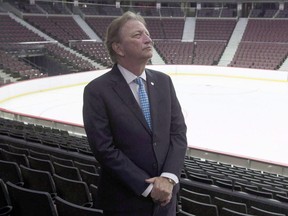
(178, 141)
(96, 123)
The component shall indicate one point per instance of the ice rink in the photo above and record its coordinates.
(241, 116)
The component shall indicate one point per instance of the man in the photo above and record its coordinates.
(141, 156)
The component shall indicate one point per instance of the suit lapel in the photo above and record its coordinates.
(152, 93)
(123, 90)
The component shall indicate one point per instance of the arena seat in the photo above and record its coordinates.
(30, 202)
(229, 212)
(19, 150)
(12, 31)
(89, 178)
(39, 155)
(66, 171)
(38, 180)
(10, 171)
(94, 191)
(235, 196)
(41, 164)
(4, 146)
(81, 194)
(198, 208)
(184, 213)
(62, 28)
(182, 51)
(99, 25)
(262, 212)
(5, 203)
(204, 198)
(214, 29)
(65, 208)
(235, 206)
(14, 157)
(62, 161)
(54, 8)
(87, 167)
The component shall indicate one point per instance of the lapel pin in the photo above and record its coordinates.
(152, 83)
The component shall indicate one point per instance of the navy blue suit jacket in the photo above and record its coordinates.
(119, 136)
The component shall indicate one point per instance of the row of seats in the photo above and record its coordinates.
(270, 31)
(263, 45)
(225, 189)
(198, 52)
(108, 10)
(207, 32)
(94, 50)
(238, 178)
(211, 38)
(21, 201)
(67, 168)
(258, 190)
(71, 60)
(70, 180)
(41, 7)
(201, 200)
(12, 31)
(13, 53)
(202, 204)
(90, 9)
(45, 136)
(61, 28)
(18, 69)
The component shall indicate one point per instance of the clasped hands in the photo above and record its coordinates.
(161, 191)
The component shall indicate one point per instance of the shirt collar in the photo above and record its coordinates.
(129, 76)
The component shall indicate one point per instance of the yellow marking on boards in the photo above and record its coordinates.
(40, 91)
(227, 76)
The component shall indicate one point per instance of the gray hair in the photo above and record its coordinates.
(113, 31)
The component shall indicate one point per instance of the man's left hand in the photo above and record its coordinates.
(161, 191)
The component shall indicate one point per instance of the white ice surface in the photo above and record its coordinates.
(242, 117)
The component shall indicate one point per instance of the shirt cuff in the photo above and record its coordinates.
(148, 190)
(164, 174)
(171, 176)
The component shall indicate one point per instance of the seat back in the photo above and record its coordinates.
(73, 191)
(5, 147)
(66, 171)
(236, 206)
(39, 155)
(15, 157)
(183, 213)
(89, 178)
(229, 212)
(87, 167)
(10, 171)
(40, 164)
(19, 150)
(259, 193)
(5, 203)
(200, 197)
(262, 212)
(38, 180)
(62, 161)
(27, 202)
(198, 208)
(65, 208)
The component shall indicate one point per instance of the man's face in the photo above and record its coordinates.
(135, 43)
